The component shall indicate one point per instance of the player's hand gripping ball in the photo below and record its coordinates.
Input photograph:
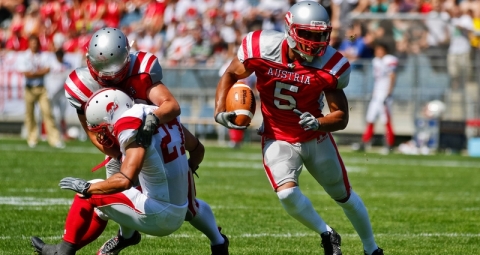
(241, 101)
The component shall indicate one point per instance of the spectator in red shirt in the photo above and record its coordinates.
(114, 10)
(154, 15)
(17, 41)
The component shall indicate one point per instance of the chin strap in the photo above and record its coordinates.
(308, 58)
(292, 44)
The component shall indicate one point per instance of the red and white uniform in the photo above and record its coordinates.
(159, 208)
(144, 72)
(380, 105)
(284, 86)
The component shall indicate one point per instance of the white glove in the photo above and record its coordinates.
(224, 118)
(307, 121)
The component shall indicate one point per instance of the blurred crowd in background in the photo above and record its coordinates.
(208, 32)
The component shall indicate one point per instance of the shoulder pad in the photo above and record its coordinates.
(334, 63)
(264, 44)
(145, 62)
(79, 86)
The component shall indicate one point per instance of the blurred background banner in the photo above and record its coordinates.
(435, 41)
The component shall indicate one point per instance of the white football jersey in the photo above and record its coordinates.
(165, 168)
(382, 68)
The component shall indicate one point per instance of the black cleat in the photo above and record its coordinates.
(331, 242)
(118, 243)
(221, 249)
(378, 251)
(37, 244)
(42, 248)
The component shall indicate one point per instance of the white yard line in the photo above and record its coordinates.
(33, 203)
(283, 235)
(256, 162)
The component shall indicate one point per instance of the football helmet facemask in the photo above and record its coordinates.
(308, 28)
(108, 56)
(103, 109)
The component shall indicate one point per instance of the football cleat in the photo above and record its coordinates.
(221, 249)
(378, 251)
(42, 248)
(118, 243)
(331, 242)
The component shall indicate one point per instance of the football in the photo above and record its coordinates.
(241, 100)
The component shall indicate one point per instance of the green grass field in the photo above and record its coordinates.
(417, 204)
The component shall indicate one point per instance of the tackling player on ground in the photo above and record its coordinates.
(293, 69)
(157, 207)
(110, 64)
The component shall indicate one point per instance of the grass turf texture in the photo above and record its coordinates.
(417, 204)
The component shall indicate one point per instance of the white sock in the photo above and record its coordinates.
(299, 207)
(357, 213)
(205, 222)
(126, 233)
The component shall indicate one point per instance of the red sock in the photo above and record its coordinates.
(43, 131)
(63, 127)
(236, 135)
(97, 226)
(368, 134)
(389, 136)
(78, 221)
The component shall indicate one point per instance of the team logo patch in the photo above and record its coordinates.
(111, 108)
(317, 23)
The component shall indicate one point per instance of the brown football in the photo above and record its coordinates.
(241, 100)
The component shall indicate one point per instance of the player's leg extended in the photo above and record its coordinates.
(82, 226)
(374, 108)
(283, 166)
(386, 118)
(326, 166)
(200, 215)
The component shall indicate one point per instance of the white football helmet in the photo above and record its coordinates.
(108, 56)
(102, 111)
(308, 28)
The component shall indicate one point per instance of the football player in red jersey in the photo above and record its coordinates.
(139, 74)
(294, 70)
